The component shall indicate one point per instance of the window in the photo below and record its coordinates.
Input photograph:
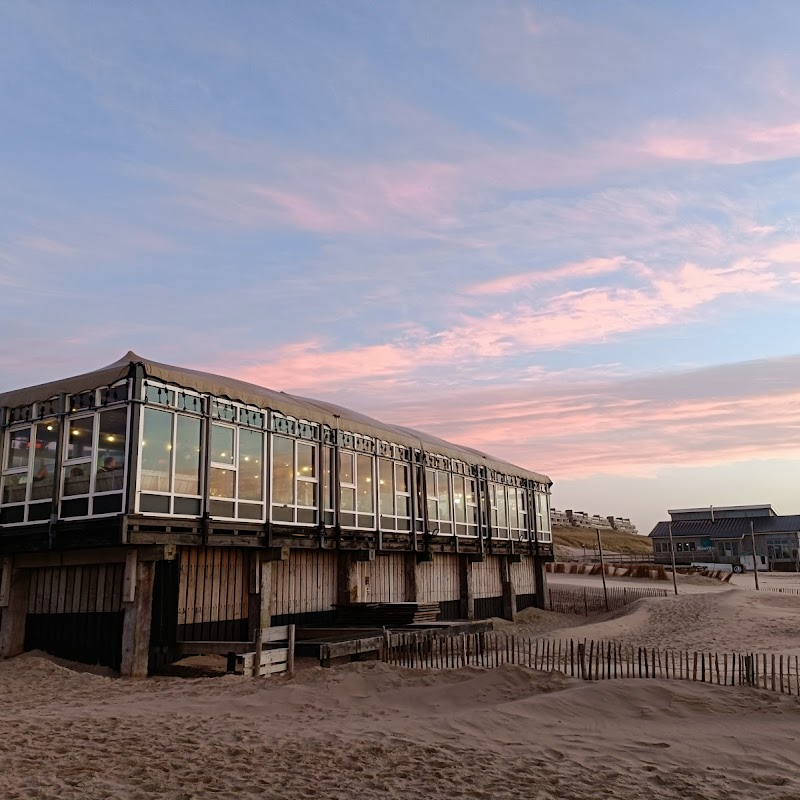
(440, 503)
(542, 506)
(394, 494)
(169, 464)
(782, 547)
(236, 473)
(517, 513)
(356, 490)
(28, 473)
(465, 506)
(327, 484)
(499, 511)
(222, 472)
(294, 481)
(93, 470)
(683, 547)
(728, 549)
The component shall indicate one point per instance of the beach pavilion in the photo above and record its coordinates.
(144, 505)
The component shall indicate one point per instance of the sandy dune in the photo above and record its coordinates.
(734, 619)
(373, 731)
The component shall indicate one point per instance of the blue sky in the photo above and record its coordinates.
(565, 233)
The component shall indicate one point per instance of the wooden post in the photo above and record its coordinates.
(755, 562)
(264, 578)
(602, 566)
(290, 652)
(509, 595)
(14, 613)
(466, 588)
(672, 556)
(412, 584)
(347, 579)
(540, 576)
(138, 615)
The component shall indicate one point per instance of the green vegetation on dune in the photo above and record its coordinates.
(613, 541)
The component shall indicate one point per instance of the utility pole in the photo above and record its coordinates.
(672, 556)
(755, 563)
(602, 566)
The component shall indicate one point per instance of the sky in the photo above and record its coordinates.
(565, 233)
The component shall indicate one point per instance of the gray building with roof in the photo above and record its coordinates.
(723, 535)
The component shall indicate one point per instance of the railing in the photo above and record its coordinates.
(592, 660)
(588, 601)
(782, 590)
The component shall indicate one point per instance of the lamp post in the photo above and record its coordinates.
(672, 557)
(602, 566)
(755, 563)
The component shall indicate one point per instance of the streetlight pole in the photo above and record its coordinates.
(755, 563)
(672, 556)
(602, 566)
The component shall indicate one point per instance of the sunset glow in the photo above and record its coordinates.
(566, 235)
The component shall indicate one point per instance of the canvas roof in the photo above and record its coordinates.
(292, 405)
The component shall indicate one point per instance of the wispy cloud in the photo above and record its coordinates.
(584, 269)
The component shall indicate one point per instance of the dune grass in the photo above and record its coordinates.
(613, 541)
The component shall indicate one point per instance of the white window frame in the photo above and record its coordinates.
(67, 463)
(296, 479)
(470, 523)
(542, 507)
(354, 486)
(498, 491)
(439, 475)
(233, 467)
(17, 472)
(391, 513)
(172, 494)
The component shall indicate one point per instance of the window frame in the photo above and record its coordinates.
(296, 478)
(541, 500)
(446, 526)
(354, 486)
(391, 514)
(172, 494)
(466, 525)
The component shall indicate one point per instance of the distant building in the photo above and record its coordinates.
(580, 519)
(722, 534)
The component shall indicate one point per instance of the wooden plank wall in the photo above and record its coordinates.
(305, 584)
(438, 581)
(523, 576)
(383, 580)
(214, 585)
(486, 578)
(95, 588)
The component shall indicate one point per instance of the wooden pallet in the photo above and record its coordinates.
(388, 614)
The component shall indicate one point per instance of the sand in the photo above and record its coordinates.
(374, 731)
(731, 620)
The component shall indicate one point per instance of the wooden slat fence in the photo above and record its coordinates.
(593, 660)
(586, 601)
(782, 590)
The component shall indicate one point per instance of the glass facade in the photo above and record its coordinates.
(197, 454)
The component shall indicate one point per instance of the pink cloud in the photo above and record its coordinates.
(563, 320)
(786, 253)
(723, 142)
(572, 425)
(328, 197)
(525, 280)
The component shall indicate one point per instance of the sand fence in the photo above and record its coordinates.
(592, 660)
(586, 600)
